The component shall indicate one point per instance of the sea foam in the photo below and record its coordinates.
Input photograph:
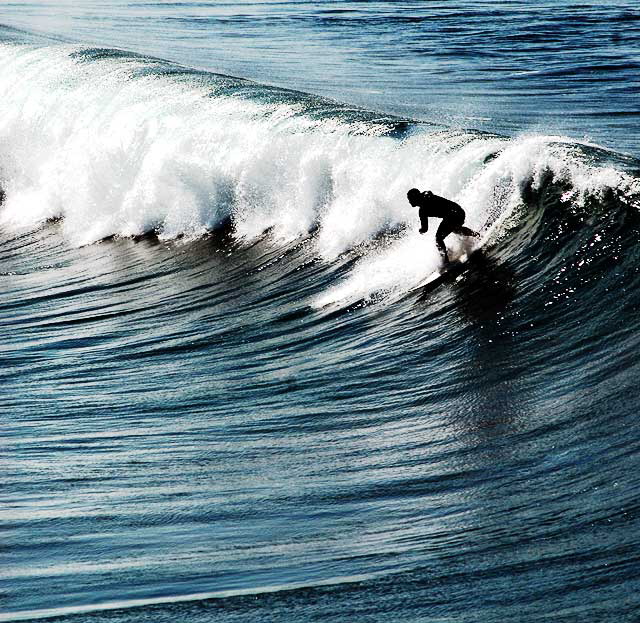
(119, 145)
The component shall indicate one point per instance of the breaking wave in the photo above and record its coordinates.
(116, 144)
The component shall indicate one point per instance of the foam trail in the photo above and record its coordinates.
(116, 144)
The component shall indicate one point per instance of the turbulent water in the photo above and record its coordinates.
(223, 396)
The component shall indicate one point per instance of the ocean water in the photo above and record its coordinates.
(224, 398)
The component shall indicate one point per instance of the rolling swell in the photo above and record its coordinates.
(214, 413)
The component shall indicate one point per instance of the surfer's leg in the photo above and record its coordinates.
(465, 231)
(458, 228)
(444, 229)
(442, 249)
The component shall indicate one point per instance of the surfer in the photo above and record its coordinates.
(451, 213)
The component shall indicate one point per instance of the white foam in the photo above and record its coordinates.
(114, 152)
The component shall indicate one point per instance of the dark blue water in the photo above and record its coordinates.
(223, 397)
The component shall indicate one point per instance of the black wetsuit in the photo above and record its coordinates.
(450, 212)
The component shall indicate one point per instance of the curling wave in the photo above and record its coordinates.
(116, 144)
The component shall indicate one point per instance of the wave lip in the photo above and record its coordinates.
(115, 144)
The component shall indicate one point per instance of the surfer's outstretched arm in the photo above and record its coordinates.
(424, 221)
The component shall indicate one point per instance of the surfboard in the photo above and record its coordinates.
(457, 265)
(445, 273)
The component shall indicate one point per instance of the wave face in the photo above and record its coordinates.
(224, 399)
(118, 145)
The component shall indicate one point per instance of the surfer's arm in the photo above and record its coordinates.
(424, 222)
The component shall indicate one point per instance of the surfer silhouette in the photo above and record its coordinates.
(450, 212)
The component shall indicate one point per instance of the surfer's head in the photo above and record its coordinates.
(414, 196)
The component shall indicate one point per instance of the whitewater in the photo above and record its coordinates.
(223, 395)
(117, 145)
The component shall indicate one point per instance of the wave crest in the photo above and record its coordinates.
(119, 145)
